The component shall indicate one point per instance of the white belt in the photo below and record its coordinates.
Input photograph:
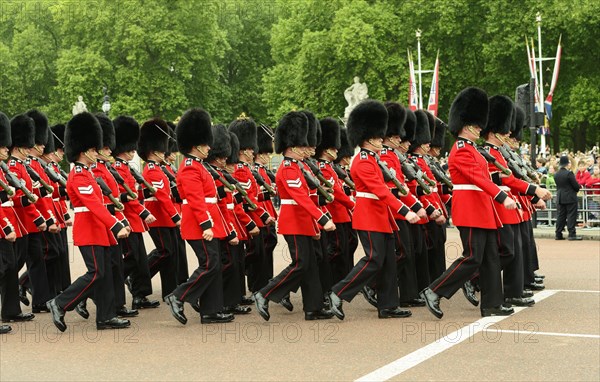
(80, 209)
(367, 195)
(230, 206)
(469, 187)
(291, 202)
(56, 200)
(504, 188)
(10, 203)
(151, 199)
(206, 200)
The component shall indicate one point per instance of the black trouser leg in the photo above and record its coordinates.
(206, 282)
(9, 280)
(29, 248)
(240, 257)
(163, 259)
(511, 259)
(116, 261)
(528, 277)
(231, 279)
(405, 263)
(437, 249)
(323, 263)
(51, 254)
(255, 262)
(302, 272)
(352, 246)
(65, 260)
(337, 251)
(421, 255)
(572, 219)
(561, 218)
(182, 265)
(135, 264)
(535, 264)
(379, 253)
(104, 292)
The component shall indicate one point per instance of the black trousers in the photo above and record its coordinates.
(240, 257)
(259, 263)
(29, 251)
(535, 264)
(97, 283)
(338, 251)
(378, 265)
(421, 255)
(325, 275)
(51, 243)
(206, 282)
(163, 259)
(511, 259)
(528, 250)
(436, 248)
(9, 280)
(567, 214)
(182, 266)
(405, 262)
(116, 266)
(303, 272)
(352, 244)
(64, 260)
(480, 252)
(231, 273)
(135, 264)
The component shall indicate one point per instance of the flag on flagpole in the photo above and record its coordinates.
(548, 102)
(534, 67)
(432, 106)
(412, 85)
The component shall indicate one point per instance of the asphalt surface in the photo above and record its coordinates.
(557, 339)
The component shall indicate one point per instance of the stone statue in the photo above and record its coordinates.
(79, 106)
(354, 94)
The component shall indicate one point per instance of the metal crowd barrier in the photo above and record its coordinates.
(588, 206)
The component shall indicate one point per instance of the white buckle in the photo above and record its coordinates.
(290, 202)
(367, 195)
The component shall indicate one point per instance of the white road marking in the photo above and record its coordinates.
(413, 359)
(577, 290)
(534, 333)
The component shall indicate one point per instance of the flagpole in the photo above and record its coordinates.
(538, 19)
(418, 34)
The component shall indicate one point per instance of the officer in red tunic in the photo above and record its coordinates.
(373, 216)
(299, 221)
(28, 248)
(10, 230)
(135, 258)
(152, 146)
(94, 229)
(473, 186)
(203, 224)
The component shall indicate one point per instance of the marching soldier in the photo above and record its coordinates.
(135, 260)
(373, 217)
(202, 225)
(152, 146)
(473, 186)
(94, 229)
(298, 219)
(10, 230)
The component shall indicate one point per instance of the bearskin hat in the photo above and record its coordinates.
(127, 134)
(50, 146)
(41, 126)
(108, 131)
(519, 118)
(330, 136)
(367, 120)
(345, 149)
(470, 107)
(264, 139)
(314, 129)
(193, 129)
(500, 117)
(221, 147)
(410, 126)
(439, 137)
(58, 131)
(82, 133)
(292, 131)
(422, 133)
(22, 131)
(172, 141)
(153, 137)
(235, 150)
(396, 119)
(245, 129)
(5, 139)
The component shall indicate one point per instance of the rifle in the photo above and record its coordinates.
(16, 182)
(531, 173)
(52, 174)
(120, 180)
(270, 174)
(106, 191)
(438, 171)
(388, 176)
(490, 158)
(315, 170)
(231, 183)
(6, 188)
(261, 182)
(36, 178)
(314, 184)
(140, 179)
(514, 165)
(172, 182)
(343, 175)
(412, 171)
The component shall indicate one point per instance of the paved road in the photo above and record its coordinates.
(557, 339)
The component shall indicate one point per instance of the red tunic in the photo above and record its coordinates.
(264, 198)
(342, 205)
(161, 203)
(27, 213)
(389, 157)
(243, 174)
(9, 212)
(134, 211)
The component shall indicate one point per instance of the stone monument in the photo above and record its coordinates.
(79, 106)
(354, 94)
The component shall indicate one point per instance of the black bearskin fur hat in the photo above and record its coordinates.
(153, 137)
(58, 131)
(264, 139)
(519, 118)
(5, 139)
(396, 119)
(193, 129)
(127, 134)
(330, 135)
(410, 126)
(221, 147)
(470, 107)
(235, 150)
(50, 145)
(367, 120)
(82, 133)
(41, 126)
(439, 137)
(500, 117)
(422, 133)
(245, 129)
(292, 131)
(22, 131)
(108, 131)
(345, 149)
(172, 140)
(314, 129)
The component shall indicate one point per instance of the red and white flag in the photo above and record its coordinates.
(432, 106)
(548, 102)
(413, 97)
